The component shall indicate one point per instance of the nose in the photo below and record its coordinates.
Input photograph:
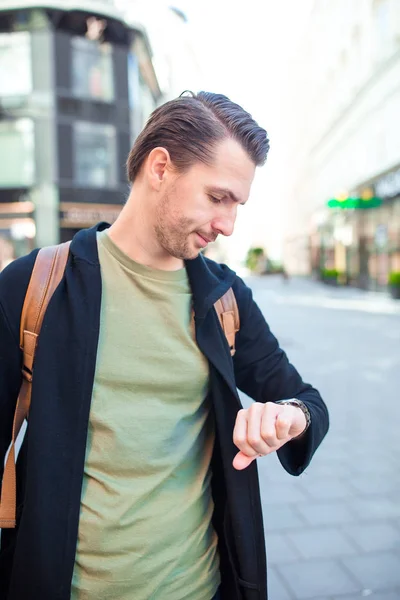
(225, 223)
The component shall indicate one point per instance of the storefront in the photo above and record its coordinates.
(379, 232)
(75, 216)
(76, 86)
(17, 230)
(359, 235)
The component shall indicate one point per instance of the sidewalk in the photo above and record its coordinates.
(334, 532)
(305, 291)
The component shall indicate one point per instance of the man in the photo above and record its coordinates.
(137, 478)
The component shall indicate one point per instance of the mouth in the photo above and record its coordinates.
(203, 241)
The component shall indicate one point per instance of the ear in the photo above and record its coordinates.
(157, 166)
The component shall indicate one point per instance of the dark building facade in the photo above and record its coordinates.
(75, 89)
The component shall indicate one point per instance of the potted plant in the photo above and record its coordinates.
(255, 260)
(330, 276)
(394, 284)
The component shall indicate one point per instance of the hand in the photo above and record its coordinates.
(264, 428)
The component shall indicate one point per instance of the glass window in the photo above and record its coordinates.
(134, 96)
(92, 69)
(7, 253)
(15, 64)
(382, 27)
(17, 238)
(148, 104)
(95, 155)
(141, 100)
(17, 151)
(133, 80)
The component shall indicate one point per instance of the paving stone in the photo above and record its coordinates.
(276, 587)
(321, 543)
(280, 550)
(372, 537)
(338, 472)
(375, 571)
(372, 468)
(333, 454)
(273, 470)
(277, 493)
(353, 480)
(329, 463)
(280, 518)
(375, 507)
(394, 595)
(328, 489)
(325, 513)
(377, 484)
(309, 579)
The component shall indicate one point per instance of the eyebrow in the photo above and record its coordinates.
(226, 192)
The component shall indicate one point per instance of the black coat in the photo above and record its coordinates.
(37, 558)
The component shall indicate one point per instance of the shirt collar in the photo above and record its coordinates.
(208, 280)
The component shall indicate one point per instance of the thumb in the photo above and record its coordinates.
(241, 461)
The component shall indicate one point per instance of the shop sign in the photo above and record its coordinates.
(84, 215)
(389, 185)
(16, 209)
(354, 203)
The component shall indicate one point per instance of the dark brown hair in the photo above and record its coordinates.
(190, 126)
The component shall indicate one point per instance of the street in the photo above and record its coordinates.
(334, 532)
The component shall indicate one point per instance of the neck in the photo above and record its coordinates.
(134, 233)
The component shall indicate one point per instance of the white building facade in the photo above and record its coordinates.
(172, 41)
(341, 110)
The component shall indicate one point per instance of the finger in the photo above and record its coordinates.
(254, 434)
(241, 461)
(282, 426)
(268, 425)
(240, 434)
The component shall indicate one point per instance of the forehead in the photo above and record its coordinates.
(232, 169)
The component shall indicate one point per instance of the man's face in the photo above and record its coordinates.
(202, 203)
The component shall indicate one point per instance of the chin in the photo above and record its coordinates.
(190, 255)
(194, 253)
(186, 251)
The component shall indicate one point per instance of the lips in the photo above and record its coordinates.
(206, 239)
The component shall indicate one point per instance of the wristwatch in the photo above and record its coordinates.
(302, 406)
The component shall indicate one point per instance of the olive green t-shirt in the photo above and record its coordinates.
(145, 528)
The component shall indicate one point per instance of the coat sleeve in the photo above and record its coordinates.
(264, 373)
(10, 382)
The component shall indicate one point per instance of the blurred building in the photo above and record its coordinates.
(340, 108)
(173, 44)
(77, 83)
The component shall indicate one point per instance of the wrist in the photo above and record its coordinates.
(303, 408)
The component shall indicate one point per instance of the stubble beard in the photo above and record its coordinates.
(172, 231)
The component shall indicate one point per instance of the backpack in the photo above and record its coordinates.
(47, 273)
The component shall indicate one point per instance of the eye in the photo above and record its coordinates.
(214, 199)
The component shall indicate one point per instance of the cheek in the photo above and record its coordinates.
(191, 211)
(195, 218)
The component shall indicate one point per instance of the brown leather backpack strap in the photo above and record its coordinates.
(46, 275)
(228, 314)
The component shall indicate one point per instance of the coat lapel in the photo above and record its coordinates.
(207, 287)
(211, 341)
